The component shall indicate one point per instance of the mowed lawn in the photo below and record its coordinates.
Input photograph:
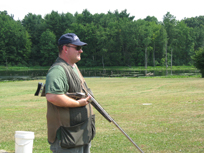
(161, 115)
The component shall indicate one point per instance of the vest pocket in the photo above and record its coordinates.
(78, 135)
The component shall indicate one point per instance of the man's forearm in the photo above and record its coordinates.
(62, 100)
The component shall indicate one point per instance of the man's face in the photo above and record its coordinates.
(74, 53)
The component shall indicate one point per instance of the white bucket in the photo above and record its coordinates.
(24, 141)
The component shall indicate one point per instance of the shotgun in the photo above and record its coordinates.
(95, 104)
(41, 92)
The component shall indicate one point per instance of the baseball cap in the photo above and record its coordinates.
(70, 38)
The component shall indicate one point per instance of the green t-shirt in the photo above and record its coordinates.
(56, 80)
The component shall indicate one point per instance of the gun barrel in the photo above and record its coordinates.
(127, 136)
(98, 107)
(106, 115)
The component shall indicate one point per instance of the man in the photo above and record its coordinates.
(70, 122)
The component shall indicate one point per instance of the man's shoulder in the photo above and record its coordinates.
(56, 68)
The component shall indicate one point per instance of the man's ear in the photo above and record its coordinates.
(65, 48)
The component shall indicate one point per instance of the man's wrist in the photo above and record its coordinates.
(78, 103)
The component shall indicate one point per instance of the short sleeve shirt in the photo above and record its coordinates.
(56, 80)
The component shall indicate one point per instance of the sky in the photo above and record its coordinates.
(138, 8)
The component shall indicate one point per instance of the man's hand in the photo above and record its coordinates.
(83, 101)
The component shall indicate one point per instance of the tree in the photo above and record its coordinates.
(155, 41)
(15, 44)
(169, 22)
(84, 18)
(162, 39)
(151, 19)
(102, 49)
(35, 25)
(114, 39)
(114, 44)
(146, 33)
(183, 44)
(127, 41)
(48, 48)
(198, 59)
(58, 23)
(123, 14)
(197, 23)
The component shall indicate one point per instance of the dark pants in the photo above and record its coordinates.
(56, 148)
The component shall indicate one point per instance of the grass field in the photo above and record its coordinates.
(162, 115)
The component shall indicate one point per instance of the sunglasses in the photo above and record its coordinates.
(78, 48)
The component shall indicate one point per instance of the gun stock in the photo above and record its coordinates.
(39, 89)
(41, 92)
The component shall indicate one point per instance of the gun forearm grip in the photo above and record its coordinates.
(76, 96)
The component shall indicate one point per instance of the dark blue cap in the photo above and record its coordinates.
(70, 38)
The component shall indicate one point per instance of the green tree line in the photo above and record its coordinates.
(114, 39)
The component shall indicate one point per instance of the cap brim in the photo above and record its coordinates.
(80, 43)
